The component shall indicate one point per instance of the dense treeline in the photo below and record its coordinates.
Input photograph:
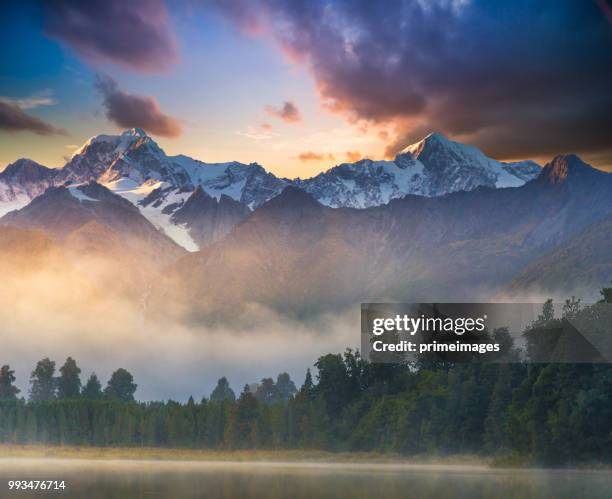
(548, 412)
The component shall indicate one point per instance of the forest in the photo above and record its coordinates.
(544, 411)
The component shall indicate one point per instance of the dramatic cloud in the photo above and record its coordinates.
(313, 156)
(14, 119)
(134, 34)
(606, 9)
(129, 111)
(288, 112)
(516, 78)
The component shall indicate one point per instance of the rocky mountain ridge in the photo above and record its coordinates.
(133, 166)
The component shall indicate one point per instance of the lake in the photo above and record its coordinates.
(97, 479)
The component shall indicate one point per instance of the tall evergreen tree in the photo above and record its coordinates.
(267, 392)
(222, 391)
(242, 425)
(8, 391)
(308, 386)
(43, 381)
(93, 388)
(334, 383)
(121, 386)
(285, 386)
(69, 381)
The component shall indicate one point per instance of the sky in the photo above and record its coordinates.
(299, 86)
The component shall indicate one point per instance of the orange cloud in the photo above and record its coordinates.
(313, 156)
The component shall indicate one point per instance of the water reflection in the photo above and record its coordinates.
(178, 480)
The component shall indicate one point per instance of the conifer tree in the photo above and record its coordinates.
(43, 382)
(222, 391)
(121, 386)
(93, 388)
(8, 391)
(69, 381)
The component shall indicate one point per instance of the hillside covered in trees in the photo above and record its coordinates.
(546, 413)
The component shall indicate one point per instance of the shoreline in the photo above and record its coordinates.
(237, 456)
(278, 458)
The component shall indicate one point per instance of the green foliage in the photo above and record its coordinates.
(267, 392)
(8, 391)
(43, 381)
(93, 388)
(286, 387)
(121, 386)
(222, 391)
(242, 428)
(549, 413)
(69, 381)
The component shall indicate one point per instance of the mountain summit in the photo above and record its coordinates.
(566, 167)
(133, 166)
(452, 166)
(431, 167)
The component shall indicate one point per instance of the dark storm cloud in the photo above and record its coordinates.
(129, 111)
(134, 34)
(518, 78)
(14, 119)
(288, 112)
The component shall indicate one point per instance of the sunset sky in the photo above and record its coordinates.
(299, 86)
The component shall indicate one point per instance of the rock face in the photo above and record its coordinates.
(432, 167)
(297, 256)
(135, 167)
(22, 181)
(62, 211)
(209, 219)
(451, 166)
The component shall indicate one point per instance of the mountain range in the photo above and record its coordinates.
(197, 203)
(295, 254)
(441, 222)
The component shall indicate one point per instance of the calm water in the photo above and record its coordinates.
(178, 480)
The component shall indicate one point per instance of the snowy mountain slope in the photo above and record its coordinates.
(102, 244)
(296, 256)
(135, 167)
(60, 211)
(432, 167)
(451, 166)
(367, 183)
(22, 181)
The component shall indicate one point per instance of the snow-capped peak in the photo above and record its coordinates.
(416, 148)
(453, 166)
(132, 165)
(119, 143)
(134, 132)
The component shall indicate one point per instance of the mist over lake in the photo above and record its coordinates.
(221, 480)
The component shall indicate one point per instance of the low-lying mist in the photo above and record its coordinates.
(85, 307)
